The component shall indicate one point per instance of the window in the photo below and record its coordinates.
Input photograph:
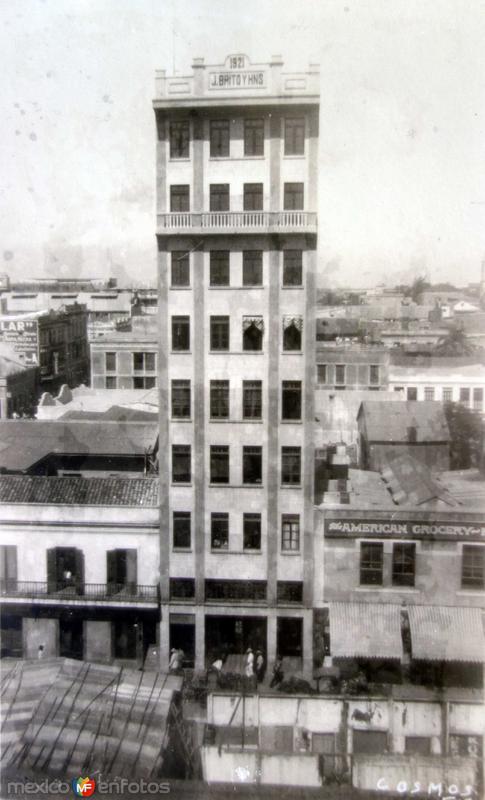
(180, 333)
(340, 374)
(180, 197)
(290, 532)
(372, 742)
(293, 197)
(182, 588)
(181, 530)
(465, 395)
(219, 333)
(252, 267)
(294, 136)
(429, 392)
(292, 328)
(252, 531)
(252, 464)
(412, 393)
(180, 268)
(219, 197)
(179, 139)
(144, 382)
(418, 745)
(371, 558)
(181, 467)
(447, 394)
(473, 567)
(289, 592)
(180, 399)
(292, 267)
(110, 362)
(219, 268)
(219, 399)
(478, 399)
(121, 570)
(374, 374)
(253, 197)
(219, 464)
(110, 382)
(291, 400)
(219, 531)
(252, 399)
(253, 328)
(254, 137)
(291, 465)
(403, 564)
(235, 590)
(219, 138)
(144, 362)
(321, 373)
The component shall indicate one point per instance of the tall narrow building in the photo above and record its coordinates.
(237, 164)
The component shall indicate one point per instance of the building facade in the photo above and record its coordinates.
(352, 366)
(126, 359)
(19, 385)
(443, 379)
(79, 567)
(55, 341)
(236, 230)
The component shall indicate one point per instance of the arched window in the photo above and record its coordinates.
(253, 329)
(292, 330)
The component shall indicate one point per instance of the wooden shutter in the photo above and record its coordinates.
(131, 568)
(52, 569)
(79, 571)
(8, 565)
(111, 567)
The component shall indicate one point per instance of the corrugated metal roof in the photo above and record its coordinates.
(367, 630)
(25, 442)
(79, 491)
(390, 422)
(446, 633)
(410, 482)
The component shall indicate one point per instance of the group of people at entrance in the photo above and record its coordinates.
(254, 668)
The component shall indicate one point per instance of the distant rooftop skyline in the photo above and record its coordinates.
(402, 189)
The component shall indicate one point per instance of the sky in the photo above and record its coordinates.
(402, 128)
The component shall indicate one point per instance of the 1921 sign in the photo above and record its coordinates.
(236, 75)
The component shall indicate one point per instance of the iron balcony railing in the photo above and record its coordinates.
(61, 590)
(239, 220)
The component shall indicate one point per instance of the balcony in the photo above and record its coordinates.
(220, 222)
(79, 594)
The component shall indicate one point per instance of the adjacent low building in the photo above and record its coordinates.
(353, 366)
(78, 448)
(79, 567)
(388, 429)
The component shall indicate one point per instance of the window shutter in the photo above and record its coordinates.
(131, 564)
(111, 567)
(52, 569)
(79, 562)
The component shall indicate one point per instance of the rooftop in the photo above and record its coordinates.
(31, 489)
(391, 422)
(23, 443)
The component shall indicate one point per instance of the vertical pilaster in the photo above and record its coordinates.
(308, 644)
(272, 423)
(199, 477)
(164, 643)
(199, 638)
(272, 639)
(309, 424)
(163, 403)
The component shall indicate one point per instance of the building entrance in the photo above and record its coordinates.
(230, 637)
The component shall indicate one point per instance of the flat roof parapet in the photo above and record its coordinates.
(237, 80)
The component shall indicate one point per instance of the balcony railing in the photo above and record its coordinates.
(235, 221)
(59, 590)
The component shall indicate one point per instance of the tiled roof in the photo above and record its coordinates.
(79, 491)
(26, 442)
(390, 422)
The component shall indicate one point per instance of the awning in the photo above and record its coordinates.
(446, 633)
(365, 630)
